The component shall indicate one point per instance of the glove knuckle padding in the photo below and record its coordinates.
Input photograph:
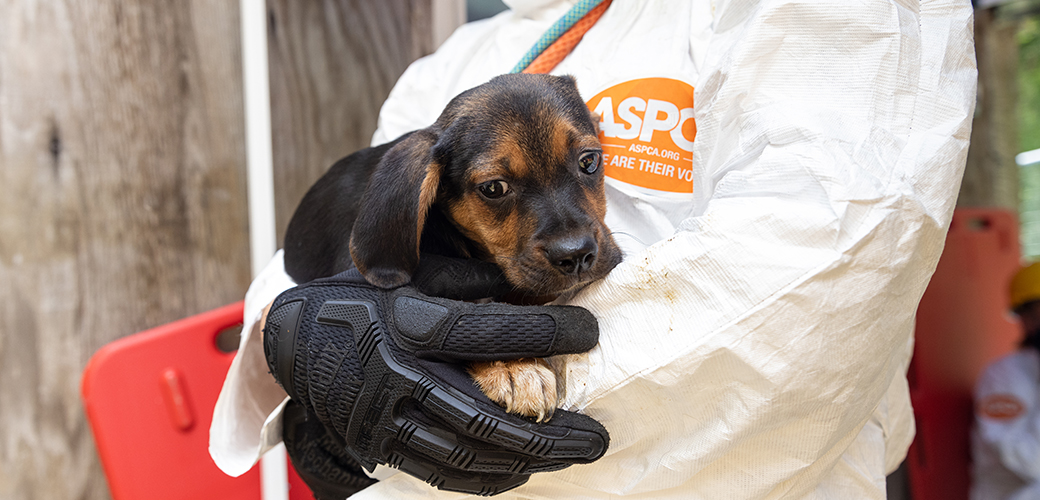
(326, 374)
(328, 347)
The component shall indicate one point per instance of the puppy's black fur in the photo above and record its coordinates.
(510, 173)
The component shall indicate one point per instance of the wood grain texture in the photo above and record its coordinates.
(991, 175)
(332, 64)
(122, 163)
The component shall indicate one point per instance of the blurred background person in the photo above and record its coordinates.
(1006, 438)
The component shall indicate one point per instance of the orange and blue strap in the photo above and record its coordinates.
(562, 37)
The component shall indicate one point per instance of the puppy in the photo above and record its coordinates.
(510, 173)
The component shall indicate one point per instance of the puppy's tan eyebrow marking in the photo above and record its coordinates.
(574, 136)
(483, 171)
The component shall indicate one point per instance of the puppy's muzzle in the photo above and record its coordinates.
(572, 256)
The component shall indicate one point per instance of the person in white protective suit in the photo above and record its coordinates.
(1006, 436)
(781, 175)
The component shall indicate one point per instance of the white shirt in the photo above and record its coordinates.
(1006, 437)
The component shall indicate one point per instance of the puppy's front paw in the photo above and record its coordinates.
(525, 386)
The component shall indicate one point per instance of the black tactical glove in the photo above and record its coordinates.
(378, 369)
(319, 457)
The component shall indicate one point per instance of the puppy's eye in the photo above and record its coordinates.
(589, 162)
(494, 189)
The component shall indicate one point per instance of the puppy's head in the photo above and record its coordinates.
(516, 167)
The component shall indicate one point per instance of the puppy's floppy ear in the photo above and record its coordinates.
(384, 243)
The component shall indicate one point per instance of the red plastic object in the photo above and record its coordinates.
(962, 325)
(149, 398)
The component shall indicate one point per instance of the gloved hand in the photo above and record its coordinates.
(379, 370)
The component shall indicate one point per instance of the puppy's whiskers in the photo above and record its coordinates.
(630, 236)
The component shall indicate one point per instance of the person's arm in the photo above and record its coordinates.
(762, 335)
(773, 322)
(1006, 412)
(247, 414)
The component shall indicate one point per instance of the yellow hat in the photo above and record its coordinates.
(1025, 286)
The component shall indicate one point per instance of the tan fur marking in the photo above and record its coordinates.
(561, 131)
(427, 195)
(474, 221)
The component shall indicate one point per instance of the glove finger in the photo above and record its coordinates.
(449, 479)
(319, 458)
(434, 328)
(451, 397)
(567, 438)
(448, 329)
(459, 279)
(432, 439)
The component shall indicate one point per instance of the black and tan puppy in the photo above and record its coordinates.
(510, 173)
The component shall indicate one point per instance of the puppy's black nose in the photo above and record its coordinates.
(572, 255)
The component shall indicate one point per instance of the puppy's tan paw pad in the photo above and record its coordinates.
(526, 387)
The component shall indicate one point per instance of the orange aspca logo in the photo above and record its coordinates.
(647, 130)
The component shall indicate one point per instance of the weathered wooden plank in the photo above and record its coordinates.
(123, 167)
(991, 175)
(123, 170)
(332, 64)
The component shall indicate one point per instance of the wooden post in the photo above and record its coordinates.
(991, 175)
(122, 165)
(332, 66)
(122, 168)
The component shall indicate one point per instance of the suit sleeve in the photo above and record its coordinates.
(772, 323)
(744, 355)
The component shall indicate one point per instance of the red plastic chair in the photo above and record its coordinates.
(962, 325)
(149, 398)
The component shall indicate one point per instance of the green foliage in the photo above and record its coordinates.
(1029, 83)
(1028, 38)
(1029, 210)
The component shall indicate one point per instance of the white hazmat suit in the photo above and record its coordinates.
(755, 339)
